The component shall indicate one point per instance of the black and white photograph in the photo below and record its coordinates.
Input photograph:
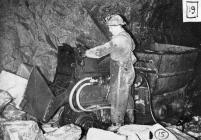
(100, 69)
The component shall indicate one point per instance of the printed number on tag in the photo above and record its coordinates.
(161, 134)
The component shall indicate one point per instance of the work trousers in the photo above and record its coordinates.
(122, 77)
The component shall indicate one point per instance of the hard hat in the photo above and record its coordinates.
(114, 20)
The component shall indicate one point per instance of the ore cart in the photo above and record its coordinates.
(163, 73)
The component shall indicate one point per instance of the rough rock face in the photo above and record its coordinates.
(148, 20)
(31, 30)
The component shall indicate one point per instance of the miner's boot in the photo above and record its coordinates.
(114, 127)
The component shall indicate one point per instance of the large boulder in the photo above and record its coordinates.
(23, 130)
(66, 132)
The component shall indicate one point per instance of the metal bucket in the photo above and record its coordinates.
(167, 67)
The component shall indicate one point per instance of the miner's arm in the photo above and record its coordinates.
(100, 51)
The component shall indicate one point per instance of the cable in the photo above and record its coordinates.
(97, 107)
(90, 108)
(150, 100)
(73, 91)
(78, 95)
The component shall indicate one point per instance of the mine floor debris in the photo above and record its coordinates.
(17, 124)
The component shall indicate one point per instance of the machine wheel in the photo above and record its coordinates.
(86, 121)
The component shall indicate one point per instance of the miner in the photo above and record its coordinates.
(122, 73)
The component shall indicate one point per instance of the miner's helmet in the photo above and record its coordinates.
(114, 20)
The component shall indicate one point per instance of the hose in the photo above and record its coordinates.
(78, 95)
(73, 91)
(97, 107)
(150, 100)
(88, 109)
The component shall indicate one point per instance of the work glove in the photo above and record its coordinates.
(83, 54)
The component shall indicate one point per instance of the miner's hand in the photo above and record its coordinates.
(79, 43)
(84, 54)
